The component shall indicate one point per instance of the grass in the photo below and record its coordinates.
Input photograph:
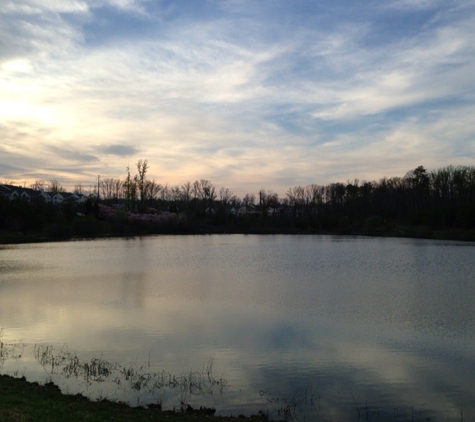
(22, 401)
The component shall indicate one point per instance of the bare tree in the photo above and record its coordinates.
(235, 202)
(225, 196)
(78, 189)
(296, 197)
(140, 179)
(54, 186)
(130, 191)
(165, 195)
(186, 192)
(205, 191)
(151, 191)
(38, 185)
(175, 193)
(107, 186)
(267, 201)
(118, 189)
(249, 199)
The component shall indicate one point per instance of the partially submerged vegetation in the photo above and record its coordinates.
(21, 400)
(132, 377)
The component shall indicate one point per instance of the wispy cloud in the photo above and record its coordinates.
(238, 92)
(71, 155)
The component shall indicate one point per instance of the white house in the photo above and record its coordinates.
(57, 198)
(29, 195)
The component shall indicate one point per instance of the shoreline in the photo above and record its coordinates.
(411, 232)
(21, 400)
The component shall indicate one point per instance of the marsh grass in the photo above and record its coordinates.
(9, 350)
(293, 407)
(133, 376)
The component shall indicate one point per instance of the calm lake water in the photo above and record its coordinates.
(306, 327)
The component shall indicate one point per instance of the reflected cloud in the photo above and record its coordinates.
(317, 322)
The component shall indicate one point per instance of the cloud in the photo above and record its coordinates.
(9, 169)
(436, 64)
(38, 7)
(118, 149)
(414, 4)
(240, 86)
(71, 154)
(33, 29)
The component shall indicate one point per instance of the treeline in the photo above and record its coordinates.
(437, 203)
(19, 218)
(438, 199)
(140, 194)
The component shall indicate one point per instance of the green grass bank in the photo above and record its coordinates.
(22, 401)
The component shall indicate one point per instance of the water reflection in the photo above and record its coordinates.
(339, 328)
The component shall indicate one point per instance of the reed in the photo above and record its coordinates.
(9, 350)
(137, 377)
(292, 407)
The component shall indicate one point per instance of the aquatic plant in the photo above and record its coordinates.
(137, 377)
(292, 407)
(10, 350)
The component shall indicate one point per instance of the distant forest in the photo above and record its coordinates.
(438, 204)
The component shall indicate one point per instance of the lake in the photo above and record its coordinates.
(303, 327)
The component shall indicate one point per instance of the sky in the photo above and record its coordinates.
(249, 94)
